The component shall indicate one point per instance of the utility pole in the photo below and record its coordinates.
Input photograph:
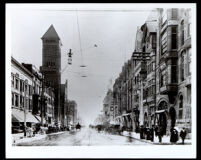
(42, 100)
(143, 57)
(25, 110)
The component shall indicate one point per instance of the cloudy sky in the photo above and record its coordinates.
(111, 27)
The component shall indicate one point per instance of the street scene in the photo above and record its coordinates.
(95, 77)
(84, 137)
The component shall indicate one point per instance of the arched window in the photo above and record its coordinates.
(182, 32)
(180, 107)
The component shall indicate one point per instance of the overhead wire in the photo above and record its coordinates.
(79, 37)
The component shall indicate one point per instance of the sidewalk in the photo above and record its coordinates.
(165, 139)
(19, 138)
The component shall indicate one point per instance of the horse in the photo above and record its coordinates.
(78, 126)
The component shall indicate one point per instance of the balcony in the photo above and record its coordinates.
(169, 88)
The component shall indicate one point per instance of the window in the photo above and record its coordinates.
(174, 71)
(12, 80)
(174, 37)
(180, 107)
(26, 89)
(16, 100)
(30, 90)
(153, 41)
(16, 83)
(182, 32)
(12, 99)
(182, 67)
(21, 100)
(30, 104)
(189, 94)
(174, 14)
(189, 62)
(161, 80)
(21, 85)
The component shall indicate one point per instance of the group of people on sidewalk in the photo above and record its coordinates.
(148, 133)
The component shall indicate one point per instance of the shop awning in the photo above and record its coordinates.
(30, 118)
(17, 115)
(160, 111)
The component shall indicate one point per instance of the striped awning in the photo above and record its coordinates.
(18, 116)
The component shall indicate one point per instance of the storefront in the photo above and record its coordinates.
(18, 118)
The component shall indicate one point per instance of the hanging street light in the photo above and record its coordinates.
(70, 57)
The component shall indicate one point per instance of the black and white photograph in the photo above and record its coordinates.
(93, 80)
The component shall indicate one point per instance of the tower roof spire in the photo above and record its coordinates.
(51, 33)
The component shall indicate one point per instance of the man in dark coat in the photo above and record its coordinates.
(183, 135)
(174, 135)
(141, 132)
(160, 133)
(152, 133)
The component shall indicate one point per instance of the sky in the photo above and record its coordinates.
(112, 29)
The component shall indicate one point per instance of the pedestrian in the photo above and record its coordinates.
(183, 134)
(152, 133)
(141, 132)
(129, 136)
(148, 134)
(160, 133)
(174, 135)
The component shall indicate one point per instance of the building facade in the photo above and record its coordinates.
(64, 103)
(72, 116)
(21, 96)
(157, 90)
(51, 66)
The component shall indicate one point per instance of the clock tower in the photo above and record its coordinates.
(51, 65)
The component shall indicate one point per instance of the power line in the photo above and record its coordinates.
(79, 36)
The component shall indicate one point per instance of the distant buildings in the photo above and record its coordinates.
(108, 106)
(156, 90)
(72, 115)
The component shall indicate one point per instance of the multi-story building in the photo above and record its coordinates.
(72, 112)
(149, 97)
(48, 106)
(108, 106)
(45, 106)
(51, 66)
(172, 64)
(157, 90)
(21, 88)
(36, 88)
(183, 103)
(64, 99)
